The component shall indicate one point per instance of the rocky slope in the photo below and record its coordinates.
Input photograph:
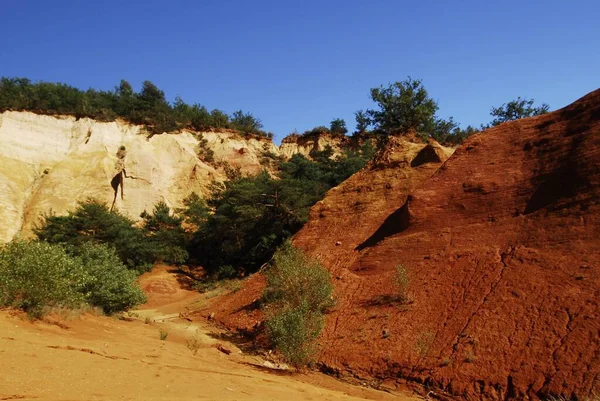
(502, 249)
(50, 163)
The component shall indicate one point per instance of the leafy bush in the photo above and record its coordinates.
(35, 276)
(111, 285)
(93, 222)
(406, 106)
(298, 292)
(163, 334)
(194, 211)
(38, 275)
(204, 153)
(293, 332)
(320, 130)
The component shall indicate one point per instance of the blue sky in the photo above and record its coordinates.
(296, 65)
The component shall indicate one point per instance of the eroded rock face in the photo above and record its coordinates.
(347, 220)
(50, 163)
(502, 248)
(304, 145)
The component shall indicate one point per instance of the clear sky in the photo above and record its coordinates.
(299, 64)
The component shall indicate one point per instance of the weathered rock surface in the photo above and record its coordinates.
(502, 247)
(50, 163)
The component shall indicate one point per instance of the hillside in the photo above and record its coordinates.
(91, 357)
(49, 163)
(502, 253)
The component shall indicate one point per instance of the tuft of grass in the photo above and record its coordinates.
(470, 356)
(163, 334)
(233, 285)
(402, 283)
(424, 342)
(194, 343)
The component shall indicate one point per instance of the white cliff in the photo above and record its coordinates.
(49, 163)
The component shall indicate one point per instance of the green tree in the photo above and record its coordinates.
(245, 122)
(515, 110)
(403, 106)
(252, 216)
(219, 119)
(362, 121)
(195, 212)
(338, 126)
(201, 118)
(126, 101)
(93, 222)
(165, 234)
(149, 107)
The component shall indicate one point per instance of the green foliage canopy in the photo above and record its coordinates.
(148, 107)
(92, 222)
(403, 106)
(514, 110)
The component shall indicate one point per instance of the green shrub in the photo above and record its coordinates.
(293, 331)
(297, 294)
(111, 286)
(295, 278)
(35, 276)
(93, 222)
(163, 334)
(204, 152)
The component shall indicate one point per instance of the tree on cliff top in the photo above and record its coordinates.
(515, 110)
(403, 106)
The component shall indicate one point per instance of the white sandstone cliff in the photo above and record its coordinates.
(50, 163)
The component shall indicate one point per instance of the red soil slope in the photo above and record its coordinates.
(502, 246)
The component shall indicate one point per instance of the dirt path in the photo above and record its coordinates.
(101, 358)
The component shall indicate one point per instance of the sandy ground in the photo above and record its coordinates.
(91, 357)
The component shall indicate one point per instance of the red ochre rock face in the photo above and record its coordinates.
(501, 246)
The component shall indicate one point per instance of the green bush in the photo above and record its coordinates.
(93, 222)
(36, 276)
(204, 152)
(111, 285)
(298, 292)
(292, 332)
